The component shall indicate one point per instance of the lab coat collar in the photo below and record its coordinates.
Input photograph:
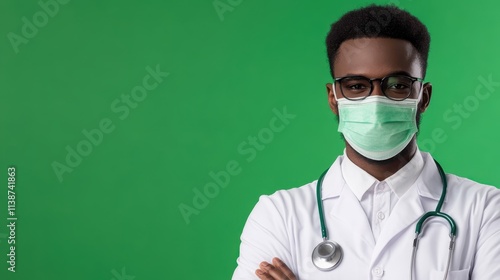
(429, 183)
(333, 183)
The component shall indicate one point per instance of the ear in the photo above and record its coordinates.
(331, 98)
(426, 97)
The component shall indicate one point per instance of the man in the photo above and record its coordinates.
(375, 193)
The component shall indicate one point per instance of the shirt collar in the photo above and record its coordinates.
(359, 181)
(403, 179)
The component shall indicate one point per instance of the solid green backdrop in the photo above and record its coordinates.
(119, 116)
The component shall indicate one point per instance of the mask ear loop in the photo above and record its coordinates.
(334, 86)
(419, 98)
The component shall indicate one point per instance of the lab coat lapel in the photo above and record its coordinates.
(348, 214)
(346, 217)
(405, 213)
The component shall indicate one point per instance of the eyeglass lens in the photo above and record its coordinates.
(394, 87)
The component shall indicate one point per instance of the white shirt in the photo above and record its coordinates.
(286, 225)
(379, 198)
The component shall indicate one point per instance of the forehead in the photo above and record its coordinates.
(376, 57)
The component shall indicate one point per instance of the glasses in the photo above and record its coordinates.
(395, 87)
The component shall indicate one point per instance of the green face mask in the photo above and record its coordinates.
(377, 127)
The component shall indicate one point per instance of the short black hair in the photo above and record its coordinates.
(374, 21)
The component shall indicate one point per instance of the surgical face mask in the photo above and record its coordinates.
(377, 127)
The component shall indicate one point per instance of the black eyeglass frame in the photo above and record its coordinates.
(413, 80)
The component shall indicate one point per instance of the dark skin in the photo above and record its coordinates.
(372, 58)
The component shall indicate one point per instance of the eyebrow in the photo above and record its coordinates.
(400, 72)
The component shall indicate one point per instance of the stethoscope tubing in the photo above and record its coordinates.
(335, 261)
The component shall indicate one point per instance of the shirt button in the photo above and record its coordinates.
(377, 271)
(380, 215)
(381, 187)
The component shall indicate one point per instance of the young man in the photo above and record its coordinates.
(373, 196)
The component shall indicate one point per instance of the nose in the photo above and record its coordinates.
(377, 87)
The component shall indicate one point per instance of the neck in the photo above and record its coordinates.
(383, 169)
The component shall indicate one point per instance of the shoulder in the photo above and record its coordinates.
(300, 201)
(293, 194)
(459, 186)
(473, 191)
(287, 201)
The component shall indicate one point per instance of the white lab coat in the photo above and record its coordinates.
(286, 225)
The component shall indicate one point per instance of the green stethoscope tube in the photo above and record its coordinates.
(324, 233)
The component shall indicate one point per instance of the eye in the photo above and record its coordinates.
(398, 86)
(356, 87)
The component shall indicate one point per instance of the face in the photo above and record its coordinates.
(377, 58)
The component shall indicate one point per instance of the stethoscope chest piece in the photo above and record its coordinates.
(327, 255)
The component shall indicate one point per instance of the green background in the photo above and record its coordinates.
(116, 215)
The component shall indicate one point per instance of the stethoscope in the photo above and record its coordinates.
(328, 254)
